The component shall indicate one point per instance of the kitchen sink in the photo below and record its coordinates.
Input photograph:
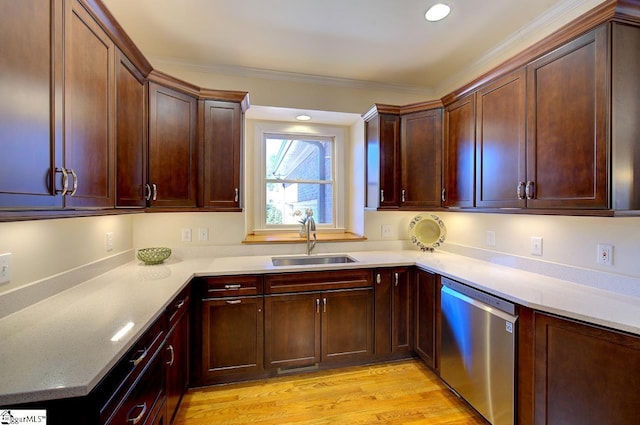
(312, 259)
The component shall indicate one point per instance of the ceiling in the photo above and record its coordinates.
(382, 43)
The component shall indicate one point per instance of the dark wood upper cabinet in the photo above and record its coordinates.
(567, 142)
(382, 136)
(221, 129)
(501, 142)
(30, 103)
(459, 153)
(131, 134)
(421, 159)
(88, 109)
(173, 151)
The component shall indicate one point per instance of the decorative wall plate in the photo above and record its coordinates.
(427, 231)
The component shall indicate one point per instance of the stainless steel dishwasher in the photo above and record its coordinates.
(478, 349)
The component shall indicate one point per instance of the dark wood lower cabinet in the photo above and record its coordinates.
(306, 329)
(427, 325)
(393, 312)
(177, 364)
(232, 342)
(581, 374)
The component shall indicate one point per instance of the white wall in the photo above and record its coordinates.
(44, 248)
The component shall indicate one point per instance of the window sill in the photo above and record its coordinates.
(294, 237)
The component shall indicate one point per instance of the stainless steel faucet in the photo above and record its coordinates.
(311, 227)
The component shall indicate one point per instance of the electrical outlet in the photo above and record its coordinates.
(536, 245)
(491, 238)
(605, 254)
(386, 231)
(109, 241)
(203, 234)
(5, 268)
(186, 235)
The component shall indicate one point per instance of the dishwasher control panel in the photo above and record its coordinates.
(476, 294)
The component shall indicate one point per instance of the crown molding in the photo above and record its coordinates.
(266, 74)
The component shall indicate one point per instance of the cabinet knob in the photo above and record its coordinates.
(147, 192)
(402, 196)
(317, 305)
(154, 195)
(381, 195)
(234, 301)
(324, 305)
(444, 195)
(138, 418)
(237, 195)
(397, 279)
(378, 279)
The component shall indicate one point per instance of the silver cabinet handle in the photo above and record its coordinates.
(444, 195)
(137, 419)
(528, 190)
(235, 199)
(232, 286)
(317, 305)
(75, 182)
(403, 193)
(147, 192)
(170, 348)
(381, 195)
(140, 358)
(378, 279)
(179, 304)
(396, 279)
(324, 305)
(234, 301)
(65, 181)
(154, 196)
(519, 190)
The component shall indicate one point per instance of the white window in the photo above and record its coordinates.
(299, 171)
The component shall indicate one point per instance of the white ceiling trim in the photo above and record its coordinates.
(266, 74)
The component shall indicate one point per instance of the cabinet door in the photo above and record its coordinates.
(402, 317)
(459, 152)
(131, 134)
(347, 324)
(177, 364)
(88, 109)
(383, 311)
(30, 103)
(426, 302)
(383, 161)
(232, 337)
(584, 374)
(501, 144)
(567, 96)
(172, 147)
(222, 155)
(421, 153)
(292, 330)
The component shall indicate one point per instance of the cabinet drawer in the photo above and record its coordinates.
(232, 286)
(138, 404)
(179, 306)
(114, 389)
(317, 281)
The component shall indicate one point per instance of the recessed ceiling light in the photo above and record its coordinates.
(437, 12)
(303, 117)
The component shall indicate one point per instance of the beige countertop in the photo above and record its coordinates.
(61, 347)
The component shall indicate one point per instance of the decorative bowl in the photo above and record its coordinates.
(153, 255)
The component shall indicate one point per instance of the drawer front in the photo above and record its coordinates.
(127, 372)
(232, 286)
(317, 281)
(139, 403)
(179, 306)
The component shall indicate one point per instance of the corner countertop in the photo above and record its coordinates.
(61, 347)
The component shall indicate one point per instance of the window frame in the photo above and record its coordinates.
(293, 131)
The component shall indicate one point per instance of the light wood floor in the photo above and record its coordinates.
(396, 393)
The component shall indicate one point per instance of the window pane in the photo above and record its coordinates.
(298, 159)
(287, 202)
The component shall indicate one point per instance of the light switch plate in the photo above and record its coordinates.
(186, 235)
(5, 268)
(536, 245)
